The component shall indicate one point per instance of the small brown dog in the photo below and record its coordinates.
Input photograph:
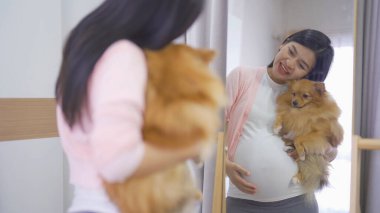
(307, 117)
(183, 99)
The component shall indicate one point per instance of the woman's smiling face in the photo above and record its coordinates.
(293, 61)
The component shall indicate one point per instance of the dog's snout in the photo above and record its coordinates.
(295, 103)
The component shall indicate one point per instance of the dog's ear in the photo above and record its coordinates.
(319, 87)
(206, 55)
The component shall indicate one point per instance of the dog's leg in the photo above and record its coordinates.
(298, 144)
(313, 143)
(336, 136)
(277, 124)
(298, 178)
(316, 143)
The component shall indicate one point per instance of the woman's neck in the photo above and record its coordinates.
(270, 70)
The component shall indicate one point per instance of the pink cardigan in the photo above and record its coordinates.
(110, 146)
(241, 86)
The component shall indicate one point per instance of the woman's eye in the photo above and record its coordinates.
(291, 52)
(301, 66)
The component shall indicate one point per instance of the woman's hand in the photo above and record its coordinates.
(158, 158)
(235, 172)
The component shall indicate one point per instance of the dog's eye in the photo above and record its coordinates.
(305, 96)
(293, 93)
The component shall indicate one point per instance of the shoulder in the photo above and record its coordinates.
(245, 73)
(123, 57)
(123, 48)
(123, 64)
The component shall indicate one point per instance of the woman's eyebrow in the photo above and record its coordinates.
(302, 61)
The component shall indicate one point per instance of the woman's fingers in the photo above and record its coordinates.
(236, 172)
(241, 170)
(245, 186)
(240, 182)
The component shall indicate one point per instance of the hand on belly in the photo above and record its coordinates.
(237, 175)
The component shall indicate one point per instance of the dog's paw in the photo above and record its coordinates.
(277, 129)
(289, 149)
(204, 154)
(198, 195)
(198, 161)
(296, 180)
(302, 156)
(317, 148)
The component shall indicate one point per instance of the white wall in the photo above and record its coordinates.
(263, 21)
(252, 32)
(30, 43)
(33, 173)
(73, 11)
(328, 16)
(31, 176)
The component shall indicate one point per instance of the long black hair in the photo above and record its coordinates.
(149, 24)
(320, 44)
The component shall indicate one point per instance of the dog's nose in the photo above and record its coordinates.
(295, 103)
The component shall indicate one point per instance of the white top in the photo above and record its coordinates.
(93, 199)
(261, 152)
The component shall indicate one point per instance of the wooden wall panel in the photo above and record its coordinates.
(358, 145)
(27, 118)
(219, 198)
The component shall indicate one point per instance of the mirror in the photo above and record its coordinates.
(256, 28)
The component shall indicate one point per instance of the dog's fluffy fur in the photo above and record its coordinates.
(183, 99)
(307, 118)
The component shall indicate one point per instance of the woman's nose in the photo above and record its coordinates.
(291, 63)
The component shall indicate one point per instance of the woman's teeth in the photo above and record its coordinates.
(284, 69)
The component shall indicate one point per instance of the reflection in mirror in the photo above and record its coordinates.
(256, 29)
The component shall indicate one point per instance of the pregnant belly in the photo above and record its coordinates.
(270, 167)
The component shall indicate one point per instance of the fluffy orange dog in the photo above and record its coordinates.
(307, 117)
(183, 99)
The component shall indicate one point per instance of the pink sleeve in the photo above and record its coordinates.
(116, 103)
(232, 89)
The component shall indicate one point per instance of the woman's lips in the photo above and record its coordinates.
(282, 69)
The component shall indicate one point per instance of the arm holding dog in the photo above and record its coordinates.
(156, 158)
